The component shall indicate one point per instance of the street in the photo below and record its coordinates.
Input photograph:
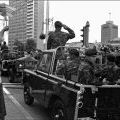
(15, 106)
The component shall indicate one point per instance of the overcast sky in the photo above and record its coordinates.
(75, 14)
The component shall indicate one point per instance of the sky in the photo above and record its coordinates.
(75, 14)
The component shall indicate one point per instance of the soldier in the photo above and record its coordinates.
(70, 66)
(117, 62)
(108, 74)
(86, 73)
(58, 38)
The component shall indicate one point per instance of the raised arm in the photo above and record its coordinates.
(71, 33)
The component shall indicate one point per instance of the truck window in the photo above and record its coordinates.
(45, 62)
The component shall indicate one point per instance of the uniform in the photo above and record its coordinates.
(67, 68)
(70, 65)
(108, 73)
(59, 38)
(86, 74)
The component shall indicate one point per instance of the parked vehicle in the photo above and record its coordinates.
(68, 99)
(8, 60)
(17, 66)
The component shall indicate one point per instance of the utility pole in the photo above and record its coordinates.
(47, 24)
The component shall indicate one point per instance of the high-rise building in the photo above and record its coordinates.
(109, 31)
(17, 23)
(35, 18)
(27, 21)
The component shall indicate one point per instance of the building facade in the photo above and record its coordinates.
(17, 23)
(109, 31)
(27, 21)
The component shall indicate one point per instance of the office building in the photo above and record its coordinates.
(17, 23)
(109, 31)
(35, 18)
(27, 21)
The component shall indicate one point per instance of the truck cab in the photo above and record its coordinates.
(66, 97)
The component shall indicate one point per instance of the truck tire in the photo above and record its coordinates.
(28, 99)
(58, 111)
(2, 73)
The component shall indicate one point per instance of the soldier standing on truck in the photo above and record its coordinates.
(58, 38)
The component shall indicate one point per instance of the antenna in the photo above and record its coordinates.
(109, 16)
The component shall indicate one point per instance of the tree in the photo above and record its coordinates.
(30, 45)
(20, 45)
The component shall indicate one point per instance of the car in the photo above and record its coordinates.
(17, 66)
(68, 98)
(6, 57)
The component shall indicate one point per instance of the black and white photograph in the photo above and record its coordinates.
(59, 60)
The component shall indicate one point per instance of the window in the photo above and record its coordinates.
(45, 62)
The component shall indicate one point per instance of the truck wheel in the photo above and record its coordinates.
(58, 111)
(28, 99)
(2, 73)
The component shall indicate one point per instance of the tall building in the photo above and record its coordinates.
(17, 23)
(35, 18)
(109, 31)
(27, 21)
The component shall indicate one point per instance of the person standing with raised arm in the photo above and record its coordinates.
(58, 38)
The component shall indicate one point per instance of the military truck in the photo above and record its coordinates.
(68, 99)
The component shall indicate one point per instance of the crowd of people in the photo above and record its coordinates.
(98, 66)
(95, 67)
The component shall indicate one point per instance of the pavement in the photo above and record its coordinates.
(14, 110)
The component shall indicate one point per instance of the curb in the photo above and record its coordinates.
(14, 86)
